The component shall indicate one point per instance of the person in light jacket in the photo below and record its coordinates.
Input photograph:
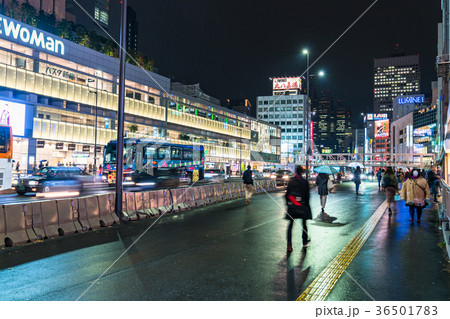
(415, 192)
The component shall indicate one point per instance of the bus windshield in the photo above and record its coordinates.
(110, 153)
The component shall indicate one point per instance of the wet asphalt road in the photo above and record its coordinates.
(227, 251)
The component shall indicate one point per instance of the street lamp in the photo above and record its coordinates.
(95, 124)
(308, 113)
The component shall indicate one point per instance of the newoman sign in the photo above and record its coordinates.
(28, 35)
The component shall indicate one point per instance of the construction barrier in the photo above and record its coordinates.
(129, 206)
(49, 214)
(2, 227)
(21, 223)
(149, 204)
(88, 207)
(164, 201)
(107, 212)
(15, 226)
(38, 224)
(67, 218)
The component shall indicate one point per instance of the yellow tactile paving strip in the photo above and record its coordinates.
(319, 289)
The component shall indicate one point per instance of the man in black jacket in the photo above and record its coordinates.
(248, 185)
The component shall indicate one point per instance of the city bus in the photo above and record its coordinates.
(148, 161)
(6, 142)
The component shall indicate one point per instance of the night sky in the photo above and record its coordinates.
(232, 47)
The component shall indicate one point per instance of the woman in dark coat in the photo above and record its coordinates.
(357, 178)
(322, 188)
(297, 199)
(390, 187)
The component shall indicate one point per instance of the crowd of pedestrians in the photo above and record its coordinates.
(414, 186)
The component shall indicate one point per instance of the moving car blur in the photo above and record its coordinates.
(52, 179)
(216, 175)
(282, 176)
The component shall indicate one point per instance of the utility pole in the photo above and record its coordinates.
(120, 113)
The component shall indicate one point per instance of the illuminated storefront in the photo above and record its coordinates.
(51, 89)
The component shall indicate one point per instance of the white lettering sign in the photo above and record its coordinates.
(21, 32)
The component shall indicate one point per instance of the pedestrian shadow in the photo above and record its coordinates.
(320, 222)
(290, 280)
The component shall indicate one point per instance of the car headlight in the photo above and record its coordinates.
(285, 177)
(273, 176)
(351, 176)
(128, 178)
(33, 183)
(15, 182)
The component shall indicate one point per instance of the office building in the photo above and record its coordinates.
(101, 16)
(287, 112)
(132, 30)
(394, 76)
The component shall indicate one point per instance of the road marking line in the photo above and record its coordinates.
(322, 285)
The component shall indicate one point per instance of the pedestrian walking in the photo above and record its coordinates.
(415, 192)
(18, 167)
(400, 178)
(432, 182)
(248, 185)
(390, 185)
(297, 200)
(324, 186)
(439, 176)
(379, 178)
(357, 178)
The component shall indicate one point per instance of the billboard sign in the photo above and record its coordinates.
(13, 114)
(11, 29)
(377, 117)
(381, 128)
(414, 99)
(425, 131)
(283, 84)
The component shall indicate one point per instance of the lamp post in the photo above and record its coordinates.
(309, 146)
(95, 124)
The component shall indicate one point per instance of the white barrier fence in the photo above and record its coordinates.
(28, 222)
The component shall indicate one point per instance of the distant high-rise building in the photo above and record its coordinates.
(132, 30)
(332, 124)
(394, 76)
(342, 128)
(101, 16)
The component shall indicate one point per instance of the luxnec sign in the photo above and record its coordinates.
(10, 28)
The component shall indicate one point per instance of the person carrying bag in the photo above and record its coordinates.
(415, 191)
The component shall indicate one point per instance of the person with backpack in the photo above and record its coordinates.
(297, 200)
(390, 184)
(415, 192)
